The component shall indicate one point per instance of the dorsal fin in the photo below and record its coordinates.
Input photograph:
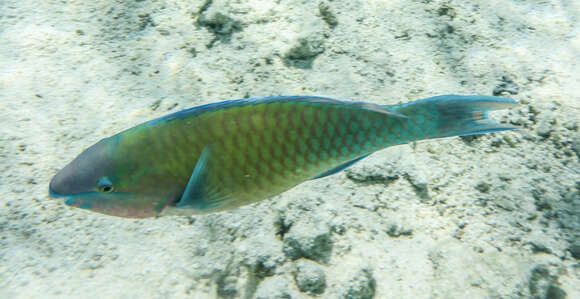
(276, 99)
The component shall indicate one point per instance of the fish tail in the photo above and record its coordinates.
(454, 115)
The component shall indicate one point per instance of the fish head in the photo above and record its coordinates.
(94, 181)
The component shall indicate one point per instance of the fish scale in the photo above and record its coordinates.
(297, 148)
(220, 156)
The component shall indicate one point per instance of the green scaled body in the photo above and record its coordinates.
(225, 155)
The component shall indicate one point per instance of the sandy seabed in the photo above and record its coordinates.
(493, 216)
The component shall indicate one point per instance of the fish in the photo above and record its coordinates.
(224, 155)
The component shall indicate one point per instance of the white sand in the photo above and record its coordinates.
(497, 216)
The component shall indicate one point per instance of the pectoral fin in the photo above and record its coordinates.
(199, 194)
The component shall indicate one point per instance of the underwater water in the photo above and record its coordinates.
(484, 216)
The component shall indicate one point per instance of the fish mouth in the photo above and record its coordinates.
(53, 193)
(69, 199)
(56, 186)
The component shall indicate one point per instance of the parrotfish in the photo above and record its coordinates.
(225, 155)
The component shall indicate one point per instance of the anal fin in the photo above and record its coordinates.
(339, 168)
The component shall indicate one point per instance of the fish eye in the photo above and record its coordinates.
(106, 189)
(105, 185)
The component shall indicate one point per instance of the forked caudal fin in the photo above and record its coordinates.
(455, 115)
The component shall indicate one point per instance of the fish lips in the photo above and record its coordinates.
(72, 199)
(117, 204)
(77, 200)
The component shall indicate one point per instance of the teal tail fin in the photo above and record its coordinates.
(454, 115)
